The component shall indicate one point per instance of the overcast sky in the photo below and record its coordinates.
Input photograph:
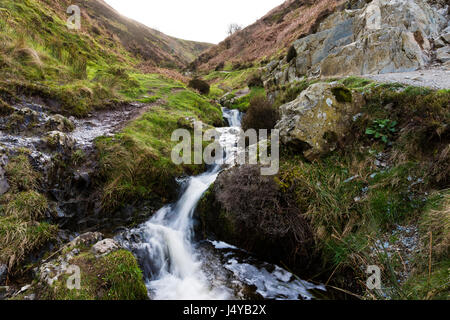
(199, 20)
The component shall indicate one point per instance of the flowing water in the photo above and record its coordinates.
(176, 267)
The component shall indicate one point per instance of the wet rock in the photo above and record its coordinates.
(105, 247)
(59, 123)
(318, 118)
(21, 120)
(59, 141)
(86, 239)
(3, 273)
(446, 37)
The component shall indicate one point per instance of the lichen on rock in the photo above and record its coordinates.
(318, 118)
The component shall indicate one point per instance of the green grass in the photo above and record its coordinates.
(21, 176)
(20, 238)
(30, 206)
(136, 164)
(77, 71)
(243, 103)
(22, 211)
(348, 216)
(230, 80)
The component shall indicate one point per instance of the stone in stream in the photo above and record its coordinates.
(105, 247)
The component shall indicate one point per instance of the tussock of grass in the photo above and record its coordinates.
(21, 212)
(19, 238)
(29, 206)
(21, 175)
(436, 220)
(230, 80)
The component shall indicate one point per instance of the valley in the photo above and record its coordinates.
(359, 92)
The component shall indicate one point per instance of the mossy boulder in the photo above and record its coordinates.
(318, 118)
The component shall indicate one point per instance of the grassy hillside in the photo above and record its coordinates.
(80, 70)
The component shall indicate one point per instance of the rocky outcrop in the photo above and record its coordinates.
(381, 37)
(318, 118)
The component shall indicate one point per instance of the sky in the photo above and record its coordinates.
(199, 20)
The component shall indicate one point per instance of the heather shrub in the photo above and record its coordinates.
(260, 115)
(199, 85)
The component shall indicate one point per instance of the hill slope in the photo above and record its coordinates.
(98, 18)
(76, 71)
(270, 34)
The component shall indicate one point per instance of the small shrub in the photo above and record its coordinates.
(220, 66)
(260, 115)
(255, 201)
(199, 85)
(255, 81)
(382, 129)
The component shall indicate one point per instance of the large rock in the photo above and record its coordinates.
(382, 36)
(318, 118)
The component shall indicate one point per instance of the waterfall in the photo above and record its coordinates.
(171, 263)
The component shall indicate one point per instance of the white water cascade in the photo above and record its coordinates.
(174, 266)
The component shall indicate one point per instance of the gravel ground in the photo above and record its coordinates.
(433, 78)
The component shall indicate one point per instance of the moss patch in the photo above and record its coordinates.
(342, 94)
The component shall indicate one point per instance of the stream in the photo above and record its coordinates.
(176, 267)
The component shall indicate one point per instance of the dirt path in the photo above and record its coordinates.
(433, 78)
(106, 123)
